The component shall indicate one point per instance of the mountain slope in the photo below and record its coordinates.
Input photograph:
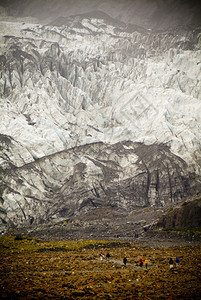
(187, 216)
(149, 14)
(98, 108)
(70, 183)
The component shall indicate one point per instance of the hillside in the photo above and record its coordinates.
(186, 217)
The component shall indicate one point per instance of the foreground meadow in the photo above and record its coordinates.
(35, 269)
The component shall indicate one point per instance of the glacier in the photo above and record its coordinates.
(96, 112)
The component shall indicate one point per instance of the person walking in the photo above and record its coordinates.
(141, 262)
(146, 263)
(125, 261)
(108, 256)
(171, 263)
(177, 261)
(101, 256)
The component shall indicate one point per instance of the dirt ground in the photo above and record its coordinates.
(38, 269)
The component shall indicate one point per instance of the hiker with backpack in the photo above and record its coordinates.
(108, 256)
(171, 263)
(177, 261)
(141, 262)
(125, 261)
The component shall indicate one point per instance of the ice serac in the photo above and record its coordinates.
(96, 112)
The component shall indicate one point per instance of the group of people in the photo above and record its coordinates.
(143, 262)
(171, 262)
(102, 255)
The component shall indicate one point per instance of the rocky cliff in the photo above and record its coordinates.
(187, 216)
(98, 108)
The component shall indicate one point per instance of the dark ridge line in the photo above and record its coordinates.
(51, 155)
(8, 170)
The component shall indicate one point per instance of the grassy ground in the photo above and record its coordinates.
(34, 269)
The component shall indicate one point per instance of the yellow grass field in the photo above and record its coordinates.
(36, 269)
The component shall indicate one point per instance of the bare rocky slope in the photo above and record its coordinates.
(70, 183)
(100, 109)
(187, 216)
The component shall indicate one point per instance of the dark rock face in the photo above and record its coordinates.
(187, 216)
(124, 176)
